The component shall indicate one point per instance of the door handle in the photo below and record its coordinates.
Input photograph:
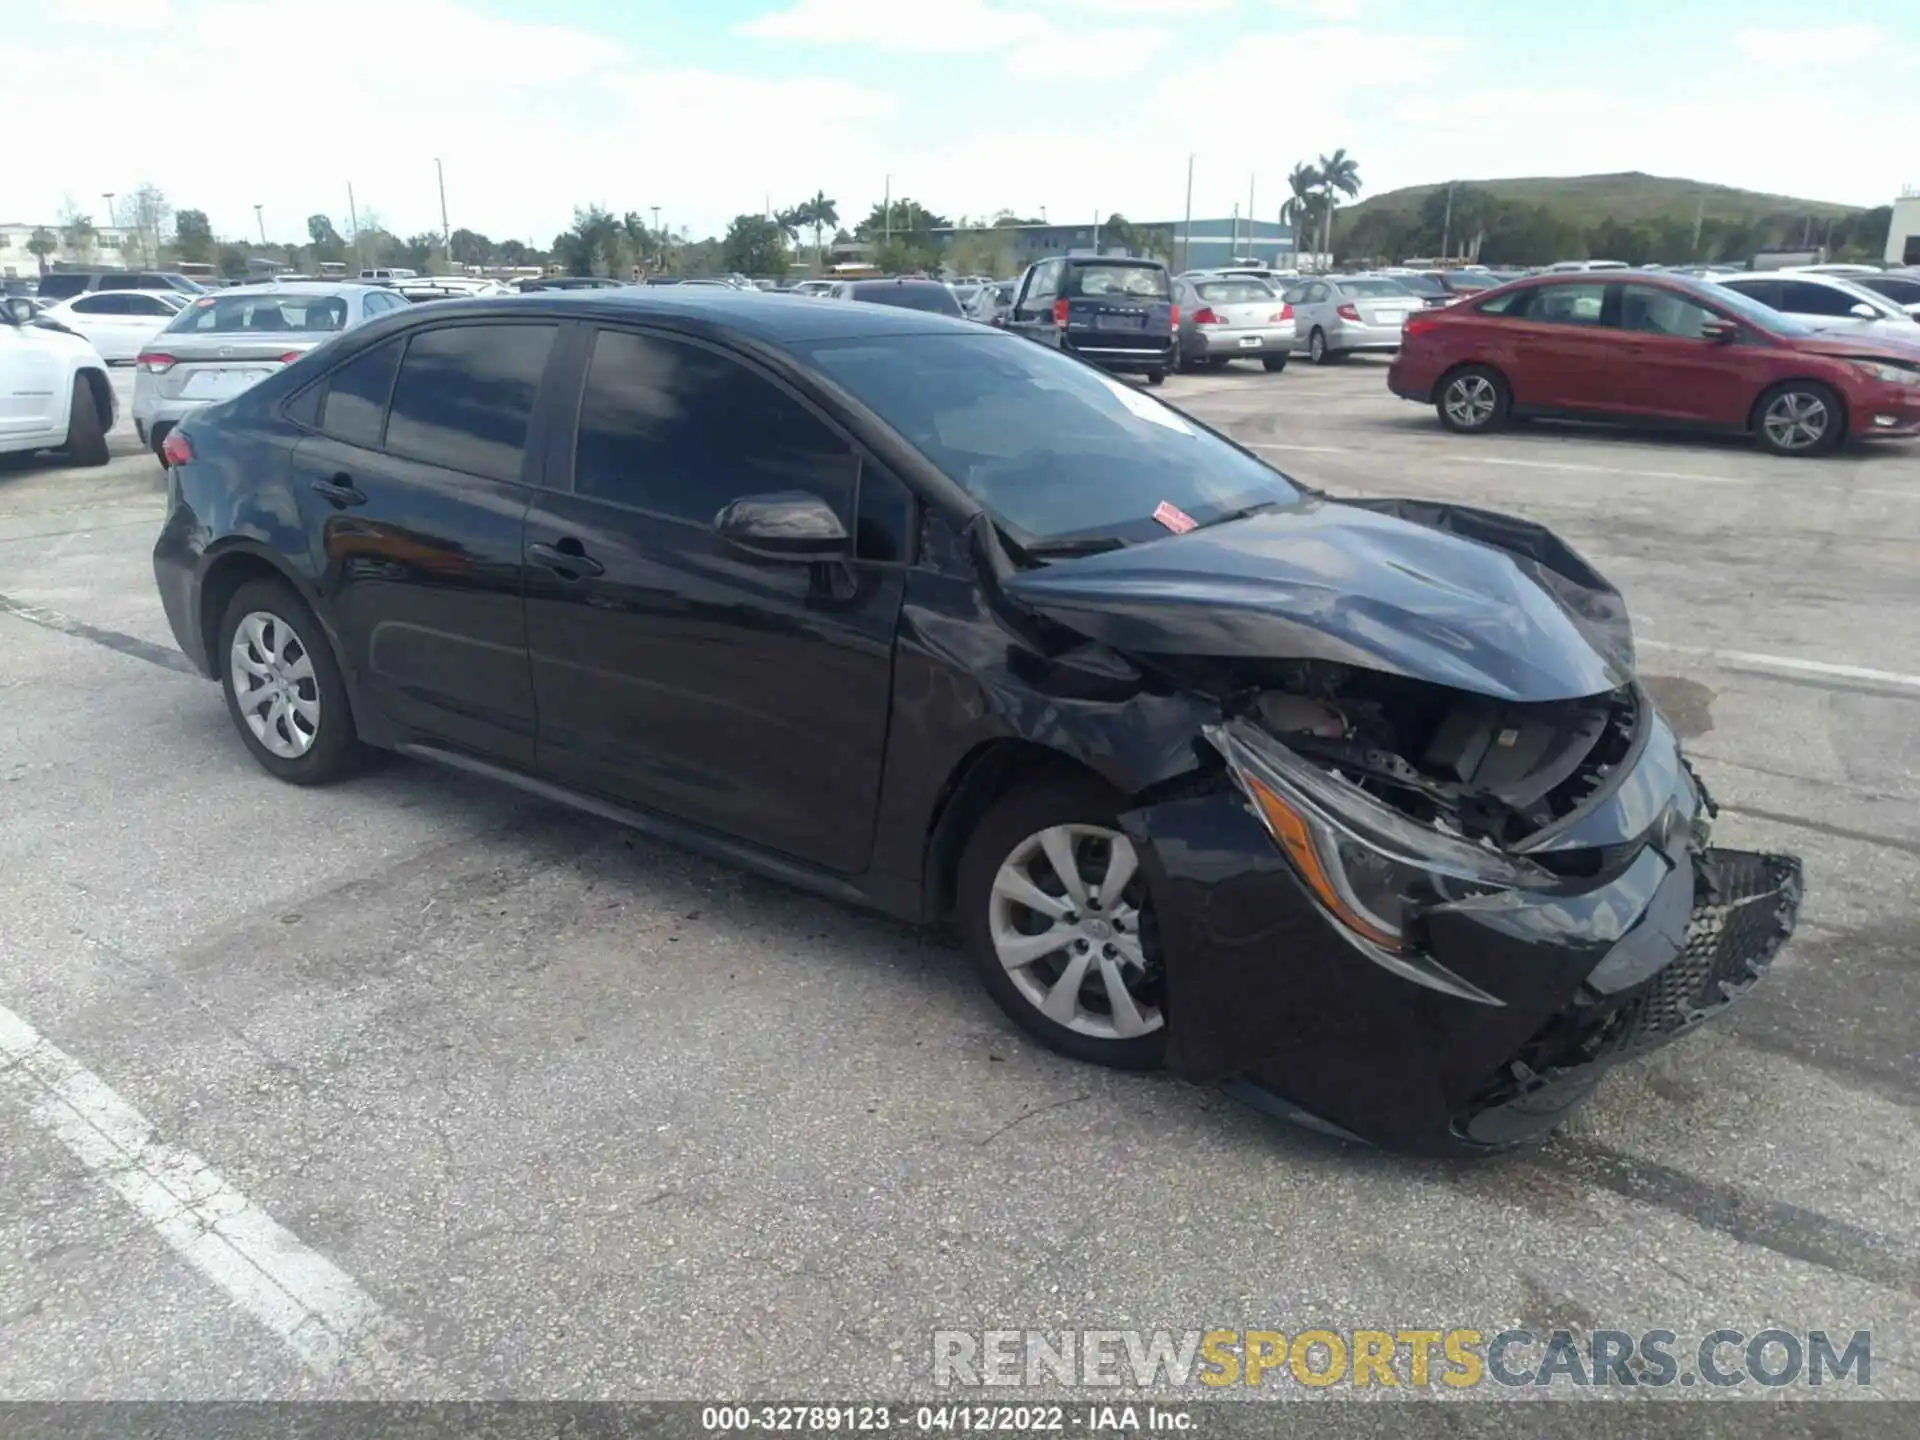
(568, 559)
(340, 492)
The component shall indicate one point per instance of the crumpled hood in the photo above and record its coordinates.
(1466, 598)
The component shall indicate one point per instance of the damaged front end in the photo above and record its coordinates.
(1433, 920)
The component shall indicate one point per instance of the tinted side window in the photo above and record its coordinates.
(100, 305)
(465, 395)
(1655, 311)
(1767, 292)
(119, 282)
(355, 409)
(681, 430)
(144, 304)
(1503, 304)
(1800, 298)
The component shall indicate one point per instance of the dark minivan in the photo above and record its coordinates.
(1114, 311)
(1356, 805)
(65, 284)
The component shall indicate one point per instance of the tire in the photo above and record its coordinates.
(1318, 350)
(1473, 400)
(1782, 417)
(312, 740)
(1156, 377)
(86, 435)
(1105, 943)
(1183, 363)
(1219, 362)
(1273, 364)
(157, 443)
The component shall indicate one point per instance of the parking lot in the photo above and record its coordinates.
(516, 1103)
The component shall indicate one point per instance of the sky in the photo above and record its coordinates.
(710, 108)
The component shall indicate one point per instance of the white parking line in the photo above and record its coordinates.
(335, 1328)
(1786, 664)
(1612, 470)
(1300, 449)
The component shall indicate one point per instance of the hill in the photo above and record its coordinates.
(1627, 196)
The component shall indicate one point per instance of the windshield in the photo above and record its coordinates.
(1373, 289)
(1130, 282)
(936, 298)
(1747, 308)
(1054, 448)
(1420, 284)
(254, 314)
(1233, 292)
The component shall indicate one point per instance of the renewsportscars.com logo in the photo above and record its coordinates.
(1411, 1358)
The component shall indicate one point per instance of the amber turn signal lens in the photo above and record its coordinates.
(1296, 838)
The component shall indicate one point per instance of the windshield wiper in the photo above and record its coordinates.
(1085, 545)
(1245, 511)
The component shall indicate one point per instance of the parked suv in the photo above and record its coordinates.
(65, 284)
(54, 391)
(1117, 312)
(1656, 349)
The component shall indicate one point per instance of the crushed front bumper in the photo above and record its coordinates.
(1270, 997)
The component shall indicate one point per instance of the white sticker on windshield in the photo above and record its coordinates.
(1145, 407)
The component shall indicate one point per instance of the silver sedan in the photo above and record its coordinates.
(223, 342)
(1224, 318)
(1340, 315)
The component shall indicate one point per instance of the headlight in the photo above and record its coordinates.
(1366, 863)
(1889, 374)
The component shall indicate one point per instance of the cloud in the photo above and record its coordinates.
(1812, 45)
(1335, 10)
(1158, 9)
(1033, 44)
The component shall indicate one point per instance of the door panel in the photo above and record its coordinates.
(744, 695)
(1567, 349)
(421, 563)
(32, 384)
(1670, 371)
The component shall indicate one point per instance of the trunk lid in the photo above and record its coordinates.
(219, 366)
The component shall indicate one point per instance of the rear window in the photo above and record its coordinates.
(1234, 292)
(1374, 289)
(62, 287)
(1420, 284)
(259, 314)
(935, 298)
(1135, 282)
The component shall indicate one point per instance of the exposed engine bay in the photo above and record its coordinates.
(1488, 770)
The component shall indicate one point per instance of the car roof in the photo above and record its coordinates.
(770, 319)
(298, 287)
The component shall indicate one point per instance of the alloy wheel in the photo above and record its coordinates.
(1065, 916)
(1317, 347)
(274, 685)
(1797, 420)
(1470, 401)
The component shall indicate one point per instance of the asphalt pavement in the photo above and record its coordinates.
(478, 1098)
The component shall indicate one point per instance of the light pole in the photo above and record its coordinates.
(107, 195)
(1186, 227)
(260, 220)
(659, 240)
(446, 235)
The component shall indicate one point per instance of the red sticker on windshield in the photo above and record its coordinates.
(1173, 517)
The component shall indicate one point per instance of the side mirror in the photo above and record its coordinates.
(19, 310)
(1720, 332)
(1864, 311)
(788, 525)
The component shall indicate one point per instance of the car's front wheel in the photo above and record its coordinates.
(1318, 350)
(1800, 417)
(1156, 377)
(86, 427)
(1056, 917)
(283, 689)
(1473, 400)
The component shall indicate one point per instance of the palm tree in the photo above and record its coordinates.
(1339, 175)
(42, 244)
(821, 213)
(1303, 204)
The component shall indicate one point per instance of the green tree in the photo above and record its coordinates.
(470, 247)
(1303, 204)
(595, 245)
(755, 245)
(1339, 174)
(905, 220)
(232, 262)
(77, 234)
(193, 236)
(320, 232)
(42, 243)
(510, 252)
(821, 214)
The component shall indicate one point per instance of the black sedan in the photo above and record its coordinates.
(1354, 806)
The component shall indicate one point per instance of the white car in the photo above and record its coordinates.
(119, 323)
(54, 391)
(1826, 302)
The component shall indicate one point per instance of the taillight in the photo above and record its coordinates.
(1060, 312)
(1349, 311)
(1174, 317)
(176, 449)
(1205, 315)
(155, 363)
(1285, 312)
(1419, 324)
(291, 356)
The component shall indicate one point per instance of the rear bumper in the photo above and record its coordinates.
(1126, 357)
(1276, 340)
(1400, 383)
(1364, 337)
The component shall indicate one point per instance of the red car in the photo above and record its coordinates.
(1651, 348)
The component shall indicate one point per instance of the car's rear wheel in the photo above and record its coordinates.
(1157, 377)
(86, 428)
(1473, 400)
(283, 689)
(1274, 362)
(1057, 919)
(1318, 350)
(1799, 417)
